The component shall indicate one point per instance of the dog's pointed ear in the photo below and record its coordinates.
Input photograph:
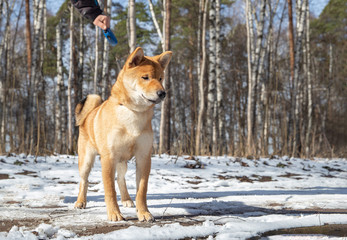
(164, 59)
(135, 58)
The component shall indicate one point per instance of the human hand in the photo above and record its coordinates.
(102, 21)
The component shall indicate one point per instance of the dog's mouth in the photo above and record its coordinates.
(158, 100)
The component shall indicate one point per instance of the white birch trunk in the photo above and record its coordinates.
(44, 25)
(198, 59)
(201, 81)
(35, 73)
(60, 119)
(96, 66)
(211, 96)
(258, 82)
(81, 54)
(220, 107)
(70, 81)
(156, 24)
(251, 84)
(325, 110)
(3, 88)
(301, 7)
(164, 23)
(132, 25)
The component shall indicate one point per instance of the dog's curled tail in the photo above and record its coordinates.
(87, 105)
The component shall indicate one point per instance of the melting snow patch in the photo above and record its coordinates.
(169, 231)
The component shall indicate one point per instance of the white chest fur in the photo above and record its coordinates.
(129, 130)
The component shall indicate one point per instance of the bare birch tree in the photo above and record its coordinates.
(300, 21)
(204, 4)
(81, 56)
(35, 73)
(219, 82)
(211, 125)
(71, 68)
(156, 24)
(60, 109)
(251, 84)
(132, 25)
(4, 56)
(96, 64)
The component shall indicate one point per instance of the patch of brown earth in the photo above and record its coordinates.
(110, 227)
(337, 230)
(6, 225)
(67, 182)
(4, 176)
(27, 173)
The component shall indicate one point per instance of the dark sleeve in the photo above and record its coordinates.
(90, 9)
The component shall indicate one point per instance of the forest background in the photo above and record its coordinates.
(247, 78)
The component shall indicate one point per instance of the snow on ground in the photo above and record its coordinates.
(217, 197)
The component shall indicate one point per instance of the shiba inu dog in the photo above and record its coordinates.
(120, 128)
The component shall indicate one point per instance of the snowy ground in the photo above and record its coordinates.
(227, 198)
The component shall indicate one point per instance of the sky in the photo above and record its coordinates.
(317, 6)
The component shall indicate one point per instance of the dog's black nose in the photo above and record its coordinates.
(161, 94)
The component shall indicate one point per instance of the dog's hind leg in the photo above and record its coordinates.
(86, 158)
(122, 167)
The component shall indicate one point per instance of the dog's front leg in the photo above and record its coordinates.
(108, 177)
(143, 168)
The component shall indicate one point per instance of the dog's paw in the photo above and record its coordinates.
(145, 216)
(80, 205)
(128, 204)
(115, 216)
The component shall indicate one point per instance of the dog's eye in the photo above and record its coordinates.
(160, 79)
(145, 77)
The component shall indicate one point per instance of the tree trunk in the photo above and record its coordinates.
(201, 80)
(29, 63)
(105, 70)
(80, 60)
(70, 146)
(28, 36)
(297, 82)
(60, 89)
(35, 73)
(221, 112)
(211, 96)
(165, 134)
(132, 25)
(251, 82)
(156, 24)
(291, 38)
(309, 85)
(4, 74)
(42, 83)
(96, 66)
(292, 62)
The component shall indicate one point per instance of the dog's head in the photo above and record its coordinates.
(142, 77)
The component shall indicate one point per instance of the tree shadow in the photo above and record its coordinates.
(217, 207)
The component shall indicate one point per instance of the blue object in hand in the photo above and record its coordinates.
(110, 37)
